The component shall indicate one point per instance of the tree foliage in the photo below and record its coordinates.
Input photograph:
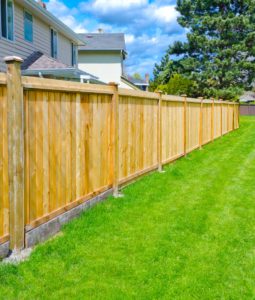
(137, 76)
(178, 85)
(220, 48)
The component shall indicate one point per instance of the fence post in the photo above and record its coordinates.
(115, 120)
(212, 121)
(201, 124)
(159, 129)
(15, 111)
(221, 117)
(185, 124)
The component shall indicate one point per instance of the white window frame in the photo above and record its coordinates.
(7, 27)
(74, 54)
(52, 30)
(24, 14)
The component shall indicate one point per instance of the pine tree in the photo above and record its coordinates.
(219, 53)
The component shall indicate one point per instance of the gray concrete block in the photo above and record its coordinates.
(52, 227)
(4, 250)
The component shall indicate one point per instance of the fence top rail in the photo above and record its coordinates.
(138, 94)
(194, 100)
(172, 98)
(3, 79)
(65, 86)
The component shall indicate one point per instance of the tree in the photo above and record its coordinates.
(137, 76)
(178, 85)
(220, 48)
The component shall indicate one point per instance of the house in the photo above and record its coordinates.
(247, 97)
(48, 47)
(142, 84)
(103, 54)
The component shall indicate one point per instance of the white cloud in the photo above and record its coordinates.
(130, 38)
(66, 15)
(166, 14)
(112, 5)
(149, 26)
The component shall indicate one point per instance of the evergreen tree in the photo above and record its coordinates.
(219, 53)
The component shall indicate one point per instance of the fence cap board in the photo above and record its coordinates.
(3, 79)
(172, 98)
(138, 94)
(194, 100)
(65, 86)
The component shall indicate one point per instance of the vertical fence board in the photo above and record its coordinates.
(173, 130)
(4, 191)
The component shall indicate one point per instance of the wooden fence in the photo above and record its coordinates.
(247, 110)
(61, 143)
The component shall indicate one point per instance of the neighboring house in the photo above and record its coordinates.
(103, 55)
(247, 97)
(142, 84)
(48, 47)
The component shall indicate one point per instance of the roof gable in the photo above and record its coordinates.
(103, 41)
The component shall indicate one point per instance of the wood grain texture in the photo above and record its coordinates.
(4, 190)
(172, 130)
(207, 123)
(138, 123)
(68, 152)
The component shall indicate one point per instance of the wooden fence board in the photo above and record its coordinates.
(137, 135)
(68, 148)
(172, 139)
(224, 118)
(217, 120)
(193, 123)
(4, 198)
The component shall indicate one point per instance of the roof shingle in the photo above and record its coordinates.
(103, 41)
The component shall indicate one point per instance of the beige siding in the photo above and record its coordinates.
(106, 65)
(64, 50)
(41, 40)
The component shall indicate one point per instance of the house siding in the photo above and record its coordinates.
(41, 40)
(106, 65)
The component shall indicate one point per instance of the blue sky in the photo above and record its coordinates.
(149, 25)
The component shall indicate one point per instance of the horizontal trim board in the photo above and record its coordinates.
(137, 175)
(138, 94)
(3, 78)
(65, 86)
(4, 239)
(66, 208)
(172, 159)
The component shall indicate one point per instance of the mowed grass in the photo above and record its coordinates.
(186, 234)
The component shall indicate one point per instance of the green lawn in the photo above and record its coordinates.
(186, 234)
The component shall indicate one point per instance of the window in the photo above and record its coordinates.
(6, 19)
(28, 27)
(54, 43)
(74, 55)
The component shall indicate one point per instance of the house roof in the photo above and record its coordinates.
(50, 19)
(137, 81)
(38, 62)
(248, 96)
(103, 41)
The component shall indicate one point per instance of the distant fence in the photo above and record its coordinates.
(247, 110)
(61, 143)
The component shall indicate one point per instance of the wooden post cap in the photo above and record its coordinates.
(12, 59)
(113, 84)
